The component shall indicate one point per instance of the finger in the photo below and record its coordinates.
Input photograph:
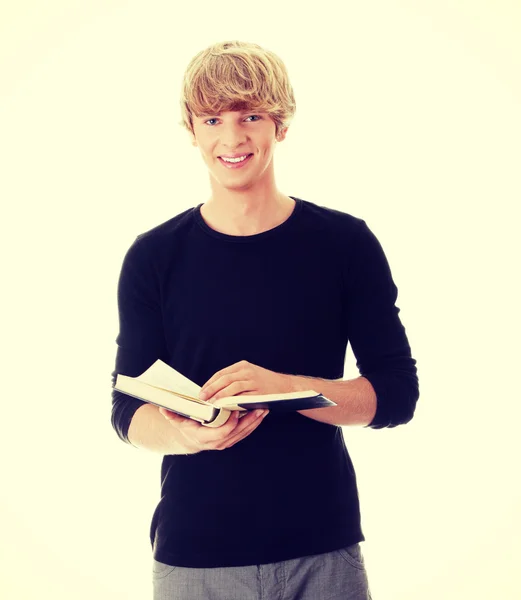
(185, 423)
(236, 388)
(250, 416)
(215, 386)
(215, 377)
(217, 437)
(172, 416)
(243, 433)
(226, 371)
(247, 426)
(169, 415)
(244, 418)
(209, 436)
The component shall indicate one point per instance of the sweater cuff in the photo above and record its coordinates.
(396, 396)
(123, 409)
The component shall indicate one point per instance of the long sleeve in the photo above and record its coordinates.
(141, 337)
(376, 334)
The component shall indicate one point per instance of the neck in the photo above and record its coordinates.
(247, 214)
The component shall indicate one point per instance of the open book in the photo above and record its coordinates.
(163, 386)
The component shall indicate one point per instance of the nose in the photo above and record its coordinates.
(232, 136)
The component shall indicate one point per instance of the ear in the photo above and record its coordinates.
(282, 134)
(191, 136)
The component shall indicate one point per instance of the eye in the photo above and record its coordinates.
(214, 119)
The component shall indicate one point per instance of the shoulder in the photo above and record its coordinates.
(164, 232)
(331, 216)
(343, 227)
(162, 239)
(347, 237)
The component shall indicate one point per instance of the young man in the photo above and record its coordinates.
(257, 292)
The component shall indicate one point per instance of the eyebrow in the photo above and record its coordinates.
(242, 112)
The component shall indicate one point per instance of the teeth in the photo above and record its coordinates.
(235, 160)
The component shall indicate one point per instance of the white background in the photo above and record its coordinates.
(408, 116)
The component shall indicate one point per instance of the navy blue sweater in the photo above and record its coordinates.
(289, 300)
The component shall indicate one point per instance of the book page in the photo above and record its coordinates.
(164, 376)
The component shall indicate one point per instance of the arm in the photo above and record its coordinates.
(140, 342)
(150, 430)
(355, 399)
(386, 393)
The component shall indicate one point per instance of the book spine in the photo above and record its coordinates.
(220, 418)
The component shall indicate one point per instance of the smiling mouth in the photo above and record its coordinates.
(224, 156)
(236, 164)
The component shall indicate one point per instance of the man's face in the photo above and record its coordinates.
(237, 133)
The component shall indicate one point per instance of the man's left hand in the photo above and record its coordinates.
(246, 379)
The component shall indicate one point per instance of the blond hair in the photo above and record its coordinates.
(237, 76)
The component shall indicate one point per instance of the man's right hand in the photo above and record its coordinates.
(195, 437)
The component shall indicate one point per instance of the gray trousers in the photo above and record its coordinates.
(337, 575)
